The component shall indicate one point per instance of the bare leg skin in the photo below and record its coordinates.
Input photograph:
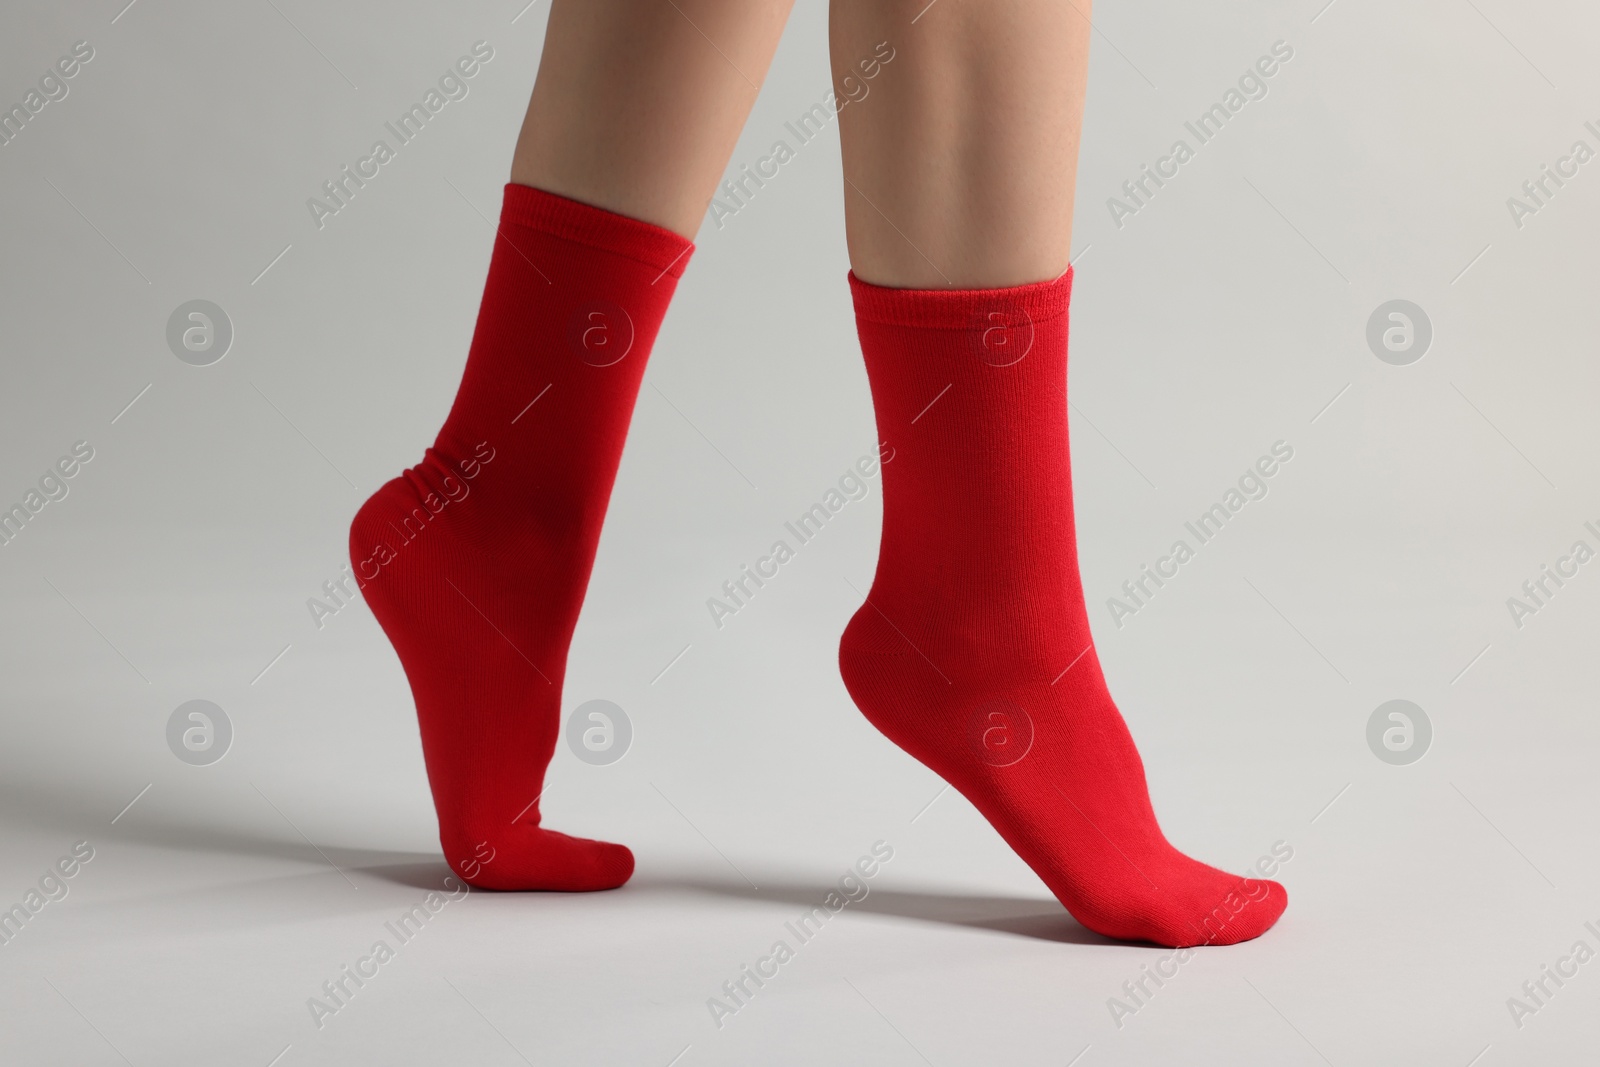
(959, 166)
(639, 103)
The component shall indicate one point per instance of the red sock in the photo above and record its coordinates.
(475, 561)
(973, 651)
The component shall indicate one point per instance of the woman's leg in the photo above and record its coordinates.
(959, 165)
(476, 560)
(637, 106)
(973, 652)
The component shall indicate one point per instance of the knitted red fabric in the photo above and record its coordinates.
(973, 651)
(475, 561)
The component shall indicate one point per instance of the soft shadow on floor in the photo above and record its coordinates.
(82, 814)
(73, 811)
(1038, 918)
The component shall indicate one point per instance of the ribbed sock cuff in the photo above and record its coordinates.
(960, 309)
(585, 224)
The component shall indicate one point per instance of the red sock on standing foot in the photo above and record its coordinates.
(476, 560)
(973, 651)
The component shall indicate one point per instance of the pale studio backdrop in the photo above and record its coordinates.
(1216, 315)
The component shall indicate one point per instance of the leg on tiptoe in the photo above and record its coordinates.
(476, 560)
(973, 652)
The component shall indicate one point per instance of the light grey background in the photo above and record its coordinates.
(1228, 314)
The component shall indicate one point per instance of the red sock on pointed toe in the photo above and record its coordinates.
(475, 561)
(973, 651)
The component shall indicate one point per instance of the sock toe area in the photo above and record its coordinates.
(1259, 905)
(540, 859)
